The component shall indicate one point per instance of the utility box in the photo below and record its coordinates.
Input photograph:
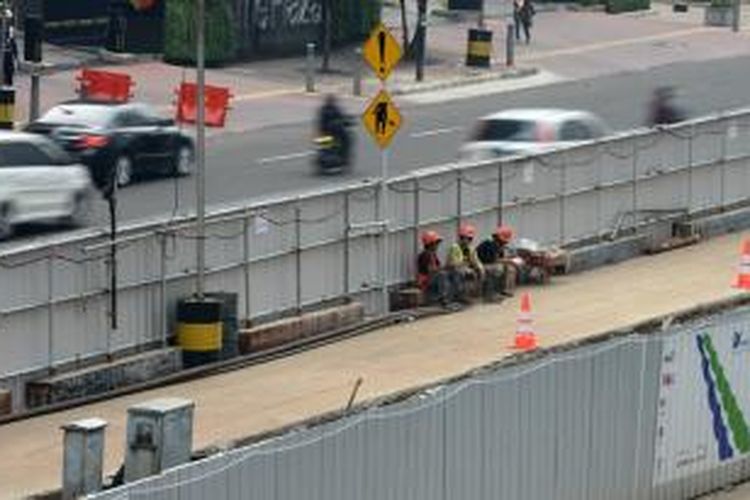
(159, 437)
(83, 453)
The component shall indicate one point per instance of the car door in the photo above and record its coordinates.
(163, 136)
(137, 135)
(38, 187)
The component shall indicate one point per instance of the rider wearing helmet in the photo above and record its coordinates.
(663, 111)
(332, 121)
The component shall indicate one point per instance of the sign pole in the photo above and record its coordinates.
(384, 219)
(200, 150)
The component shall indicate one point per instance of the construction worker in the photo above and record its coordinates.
(500, 264)
(463, 263)
(432, 279)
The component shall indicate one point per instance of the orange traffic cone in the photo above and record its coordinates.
(743, 273)
(525, 336)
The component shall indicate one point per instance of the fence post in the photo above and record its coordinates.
(635, 184)
(310, 68)
(110, 312)
(163, 286)
(459, 199)
(347, 227)
(417, 217)
(500, 194)
(246, 221)
(723, 167)
(563, 188)
(690, 169)
(510, 43)
(50, 313)
(298, 255)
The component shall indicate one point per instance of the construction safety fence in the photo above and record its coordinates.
(655, 417)
(294, 252)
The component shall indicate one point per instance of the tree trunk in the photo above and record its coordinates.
(404, 29)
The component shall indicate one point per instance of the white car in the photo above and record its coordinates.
(530, 131)
(39, 182)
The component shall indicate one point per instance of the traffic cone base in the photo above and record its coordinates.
(525, 337)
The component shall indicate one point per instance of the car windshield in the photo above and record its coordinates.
(505, 130)
(87, 115)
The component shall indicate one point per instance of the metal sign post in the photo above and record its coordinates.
(382, 120)
(200, 150)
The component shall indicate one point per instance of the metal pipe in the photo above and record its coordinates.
(298, 256)
(563, 194)
(163, 287)
(347, 228)
(500, 194)
(310, 68)
(690, 169)
(459, 200)
(34, 95)
(3, 37)
(200, 149)
(510, 43)
(50, 314)
(384, 219)
(357, 83)
(246, 261)
(416, 216)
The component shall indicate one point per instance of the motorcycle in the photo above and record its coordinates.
(331, 155)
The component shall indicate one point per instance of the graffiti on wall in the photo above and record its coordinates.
(281, 14)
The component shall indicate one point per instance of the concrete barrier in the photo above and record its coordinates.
(98, 379)
(288, 330)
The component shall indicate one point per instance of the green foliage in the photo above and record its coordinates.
(179, 32)
(721, 3)
(354, 19)
(617, 6)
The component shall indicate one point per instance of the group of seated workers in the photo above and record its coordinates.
(491, 267)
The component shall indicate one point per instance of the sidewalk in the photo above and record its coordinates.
(567, 43)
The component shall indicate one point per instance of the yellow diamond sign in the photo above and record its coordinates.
(381, 51)
(382, 119)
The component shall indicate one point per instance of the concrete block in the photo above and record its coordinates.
(602, 254)
(102, 378)
(6, 402)
(309, 324)
(719, 224)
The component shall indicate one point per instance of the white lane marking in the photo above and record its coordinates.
(276, 159)
(483, 88)
(437, 131)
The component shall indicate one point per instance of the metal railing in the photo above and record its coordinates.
(291, 253)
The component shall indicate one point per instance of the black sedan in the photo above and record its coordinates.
(123, 142)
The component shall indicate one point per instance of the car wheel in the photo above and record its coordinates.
(123, 171)
(183, 161)
(6, 226)
(80, 210)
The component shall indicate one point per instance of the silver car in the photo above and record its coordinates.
(39, 182)
(530, 131)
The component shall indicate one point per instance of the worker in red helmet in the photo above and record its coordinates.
(432, 279)
(463, 262)
(500, 263)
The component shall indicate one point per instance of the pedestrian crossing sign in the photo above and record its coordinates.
(382, 119)
(381, 51)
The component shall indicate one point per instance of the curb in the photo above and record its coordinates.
(101, 58)
(464, 81)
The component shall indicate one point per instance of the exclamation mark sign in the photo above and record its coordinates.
(381, 47)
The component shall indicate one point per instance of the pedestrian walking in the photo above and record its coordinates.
(523, 16)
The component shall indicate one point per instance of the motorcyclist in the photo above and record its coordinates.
(334, 122)
(662, 109)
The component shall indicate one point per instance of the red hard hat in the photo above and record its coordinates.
(430, 237)
(467, 231)
(504, 233)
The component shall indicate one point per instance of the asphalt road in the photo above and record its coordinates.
(270, 161)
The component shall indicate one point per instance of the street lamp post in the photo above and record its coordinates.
(200, 149)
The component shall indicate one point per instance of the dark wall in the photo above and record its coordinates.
(282, 26)
(76, 22)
